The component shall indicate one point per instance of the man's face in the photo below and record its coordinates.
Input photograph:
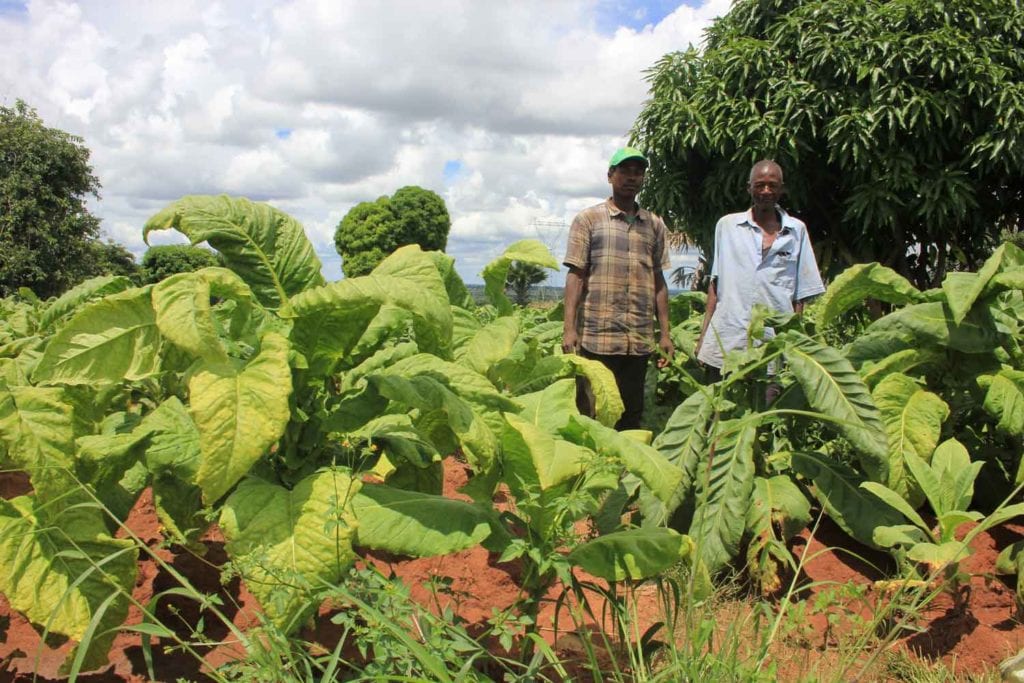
(766, 187)
(627, 178)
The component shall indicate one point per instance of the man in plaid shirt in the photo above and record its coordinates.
(616, 287)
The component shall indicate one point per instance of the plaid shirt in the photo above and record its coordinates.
(619, 262)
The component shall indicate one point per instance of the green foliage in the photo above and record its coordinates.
(164, 260)
(522, 276)
(50, 240)
(310, 418)
(528, 253)
(897, 124)
(372, 230)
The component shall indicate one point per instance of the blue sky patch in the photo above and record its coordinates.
(635, 14)
(15, 8)
(454, 170)
(281, 133)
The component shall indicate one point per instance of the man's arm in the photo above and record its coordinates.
(574, 282)
(709, 311)
(668, 350)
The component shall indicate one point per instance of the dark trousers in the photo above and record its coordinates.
(630, 373)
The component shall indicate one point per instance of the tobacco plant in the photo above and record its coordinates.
(308, 418)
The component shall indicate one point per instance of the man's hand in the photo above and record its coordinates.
(668, 350)
(570, 341)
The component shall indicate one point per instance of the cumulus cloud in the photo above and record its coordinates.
(508, 110)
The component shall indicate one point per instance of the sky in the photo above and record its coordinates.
(508, 110)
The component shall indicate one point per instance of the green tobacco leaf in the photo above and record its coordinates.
(490, 344)
(417, 524)
(901, 361)
(932, 325)
(184, 315)
(834, 388)
(881, 347)
(787, 504)
(1000, 515)
(533, 456)
(684, 443)
(37, 432)
(110, 465)
(1003, 269)
(724, 484)
(265, 246)
(442, 413)
(896, 502)
(109, 341)
(913, 419)
(431, 308)
(174, 440)
(857, 511)
(240, 413)
(94, 288)
(937, 556)
(643, 461)
(776, 502)
(173, 456)
(332, 320)
(1012, 278)
(550, 408)
(1009, 557)
(1004, 400)
(487, 401)
(956, 473)
(906, 535)
(963, 290)
(458, 293)
(858, 283)
(465, 324)
(288, 544)
(59, 570)
(495, 273)
(634, 554)
(179, 506)
(608, 401)
(400, 441)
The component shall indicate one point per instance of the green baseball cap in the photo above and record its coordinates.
(626, 153)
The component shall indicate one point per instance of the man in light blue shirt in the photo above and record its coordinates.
(762, 256)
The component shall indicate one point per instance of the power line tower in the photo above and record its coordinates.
(552, 233)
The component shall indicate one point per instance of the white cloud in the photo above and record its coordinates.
(316, 105)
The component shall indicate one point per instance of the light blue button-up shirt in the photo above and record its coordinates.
(787, 273)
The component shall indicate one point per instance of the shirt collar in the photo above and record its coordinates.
(642, 214)
(784, 220)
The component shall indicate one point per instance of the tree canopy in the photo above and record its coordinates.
(521, 276)
(165, 260)
(899, 125)
(50, 240)
(372, 230)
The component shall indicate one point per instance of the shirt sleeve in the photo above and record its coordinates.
(577, 252)
(808, 279)
(666, 262)
(715, 260)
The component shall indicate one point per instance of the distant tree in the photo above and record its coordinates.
(900, 126)
(48, 239)
(522, 276)
(110, 258)
(165, 260)
(372, 230)
(683, 277)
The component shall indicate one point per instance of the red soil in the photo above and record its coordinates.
(973, 640)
